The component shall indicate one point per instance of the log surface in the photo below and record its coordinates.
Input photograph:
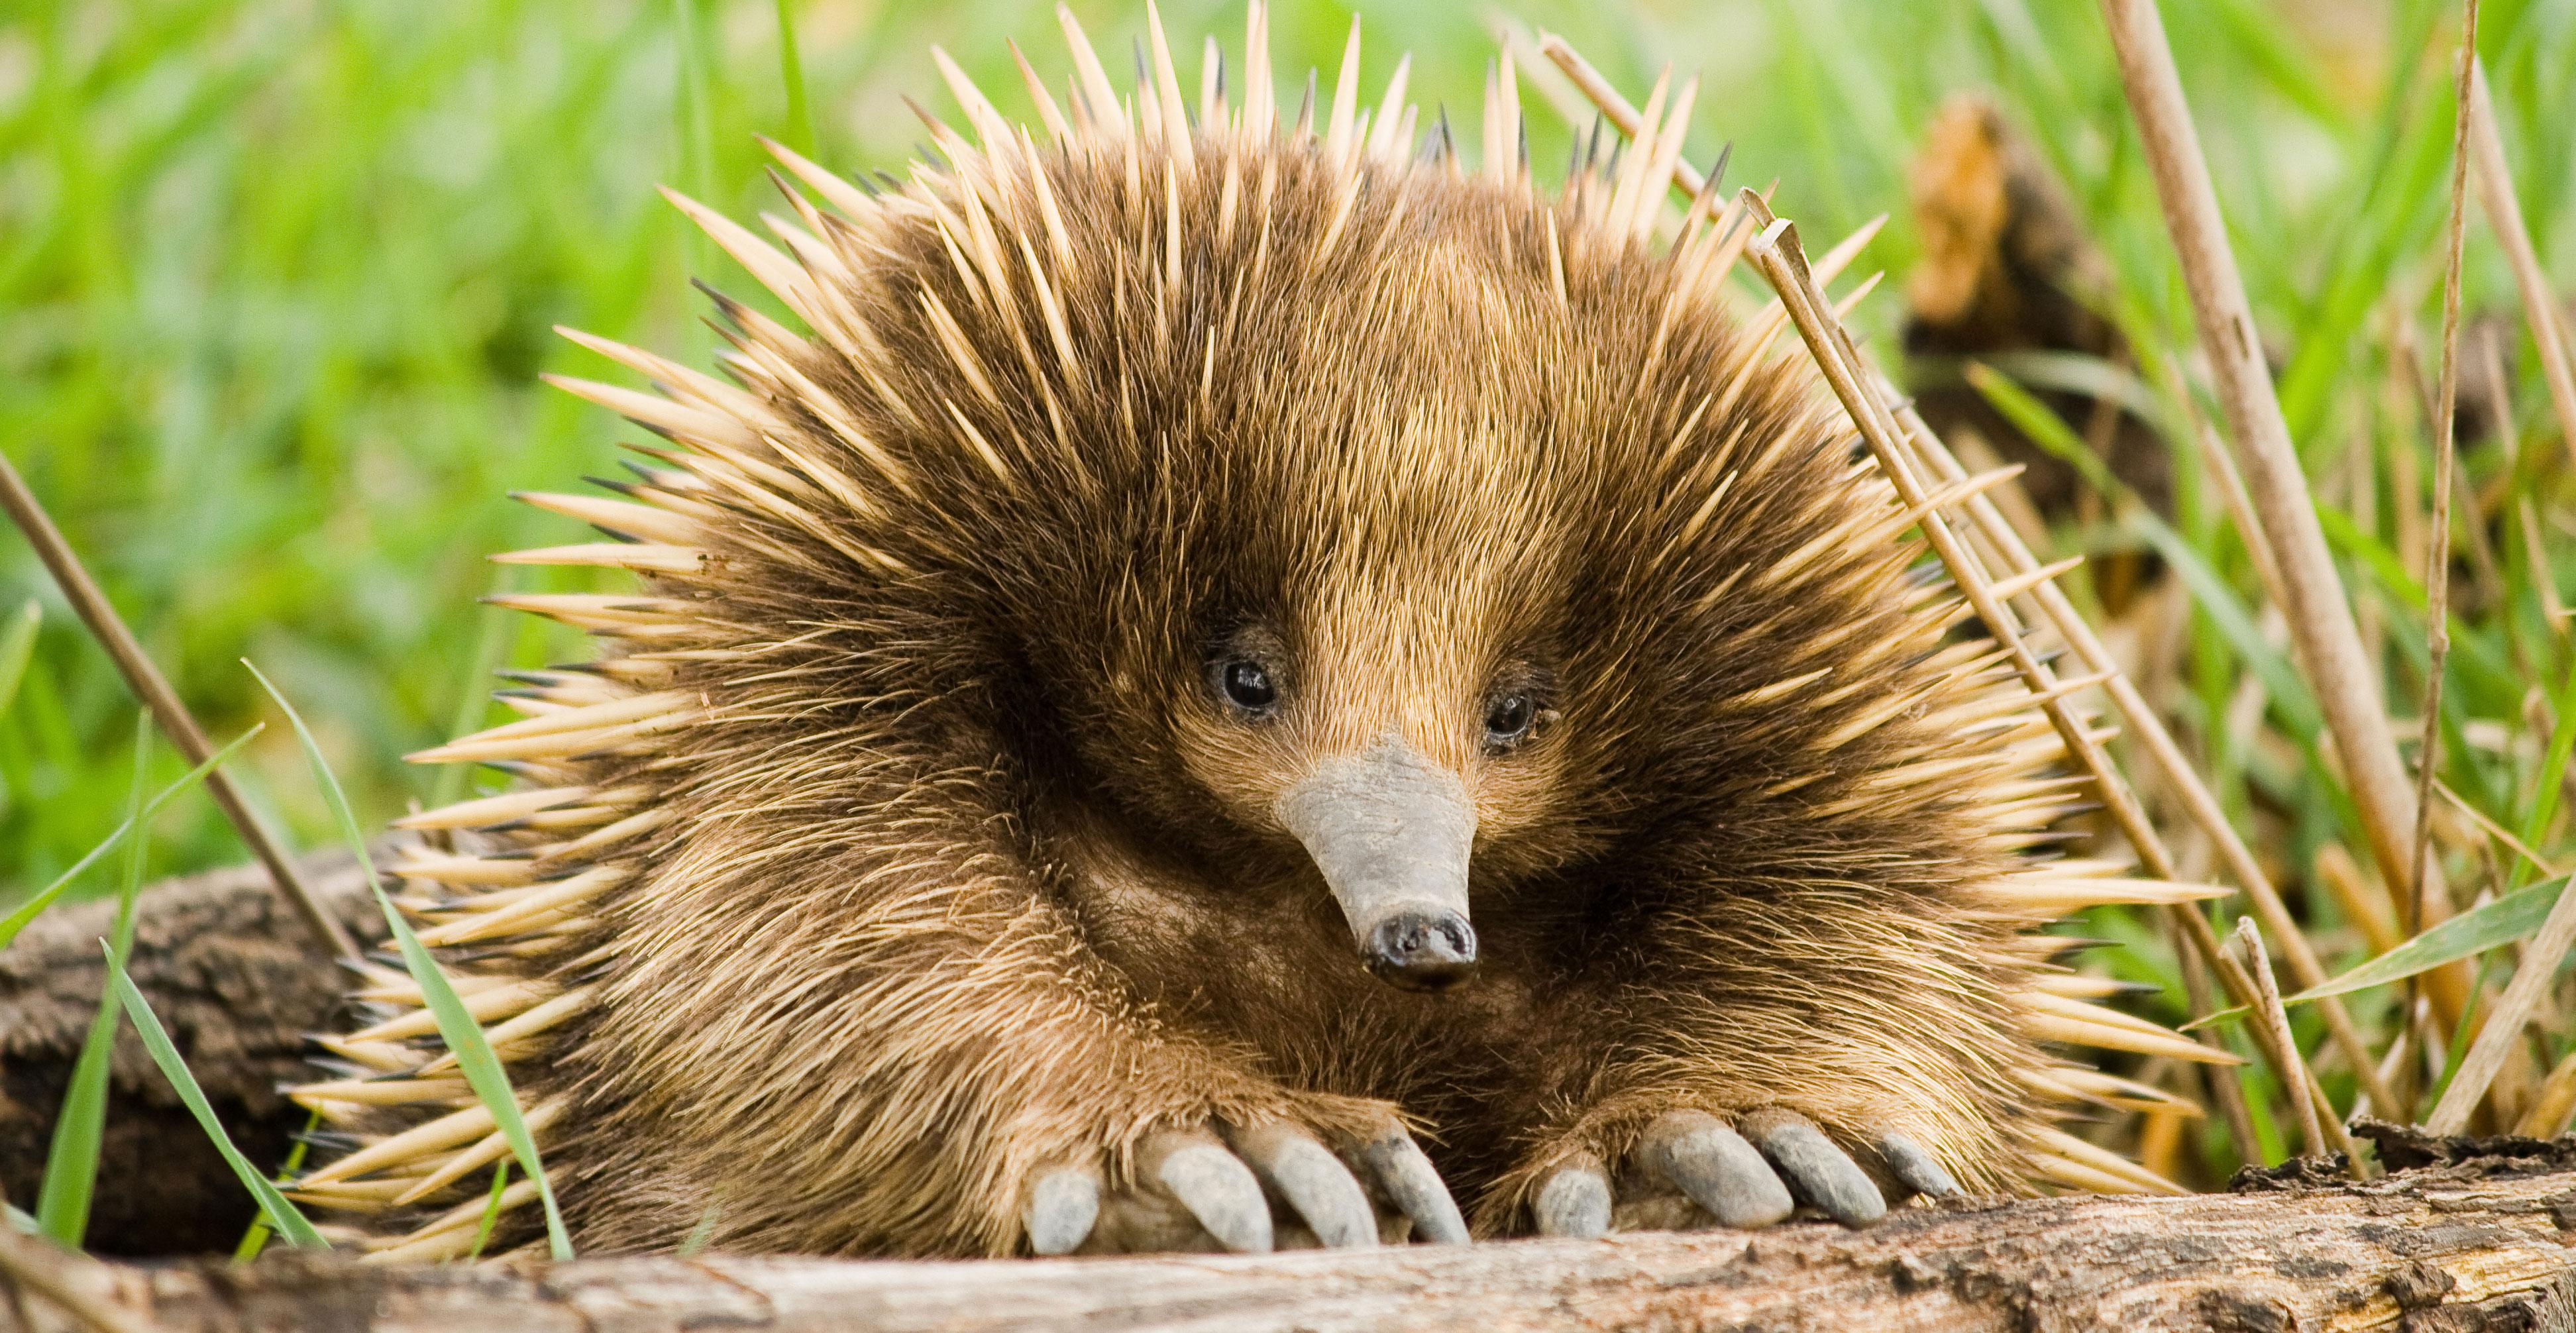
(2467, 1235)
(238, 979)
(2469, 1242)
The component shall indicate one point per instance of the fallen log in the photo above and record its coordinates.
(238, 978)
(2473, 1236)
(2462, 1235)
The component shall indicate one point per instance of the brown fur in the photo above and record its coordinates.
(951, 867)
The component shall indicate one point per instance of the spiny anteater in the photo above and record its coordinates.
(1190, 566)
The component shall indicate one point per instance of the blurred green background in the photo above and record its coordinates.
(278, 277)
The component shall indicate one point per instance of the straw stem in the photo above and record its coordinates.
(154, 690)
(1775, 251)
(2322, 632)
(2504, 218)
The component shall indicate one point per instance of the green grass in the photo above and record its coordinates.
(71, 1161)
(456, 1025)
(278, 279)
(281, 1214)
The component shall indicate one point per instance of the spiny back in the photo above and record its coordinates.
(939, 579)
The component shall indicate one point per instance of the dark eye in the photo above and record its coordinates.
(1508, 719)
(1247, 685)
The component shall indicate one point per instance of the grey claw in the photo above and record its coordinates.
(1313, 1181)
(1575, 1201)
(1061, 1208)
(1915, 1168)
(1414, 1184)
(1216, 1187)
(1819, 1171)
(1716, 1168)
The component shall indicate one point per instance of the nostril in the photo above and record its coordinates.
(1422, 950)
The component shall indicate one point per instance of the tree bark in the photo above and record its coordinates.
(238, 978)
(2475, 1236)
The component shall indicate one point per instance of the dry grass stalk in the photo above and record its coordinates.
(2538, 967)
(148, 685)
(2226, 1086)
(2249, 940)
(2504, 218)
(2499, 396)
(2006, 545)
(2546, 1118)
(1775, 251)
(2495, 830)
(2147, 728)
(2171, 764)
(2231, 488)
(2322, 632)
(2393, 1069)
(2362, 904)
(2437, 548)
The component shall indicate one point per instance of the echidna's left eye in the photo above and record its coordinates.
(1247, 685)
(1508, 719)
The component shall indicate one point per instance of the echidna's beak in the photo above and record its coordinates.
(1391, 832)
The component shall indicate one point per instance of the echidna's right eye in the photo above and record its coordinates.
(1247, 685)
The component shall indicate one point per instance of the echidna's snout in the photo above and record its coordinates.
(1422, 950)
(1391, 831)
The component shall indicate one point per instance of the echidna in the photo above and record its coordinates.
(1238, 672)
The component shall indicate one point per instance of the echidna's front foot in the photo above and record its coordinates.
(1253, 1189)
(1690, 1167)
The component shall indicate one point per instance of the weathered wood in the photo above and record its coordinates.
(2472, 1236)
(2458, 1244)
(238, 978)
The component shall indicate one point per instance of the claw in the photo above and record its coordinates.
(1313, 1181)
(1061, 1208)
(1411, 1181)
(1715, 1167)
(1215, 1186)
(1819, 1171)
(1915, 1168)
(1575, 1201)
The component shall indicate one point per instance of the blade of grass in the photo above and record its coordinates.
(2494, 922)
(491, 644)
(2473, 1072)
(17, 644)
(2473, 656)
(281, 1213)
(696, 117)
(2236, 624)
(2562, 746)
(255, 1236)
(702, 1233)
(456, 1025)
(35, 906)
(71, 1161)
(2045, 428)
(491, 1210)
(2042, 426)
(791, 70)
